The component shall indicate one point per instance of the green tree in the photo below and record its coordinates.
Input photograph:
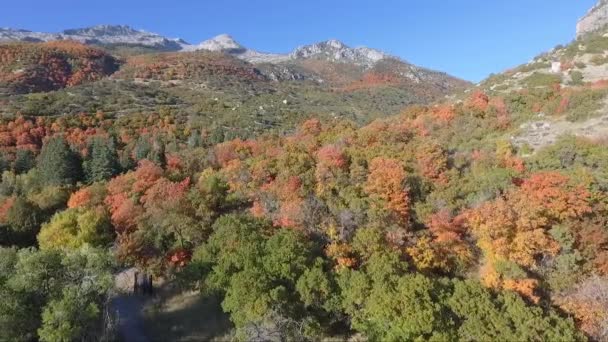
(259, 272)
(142, 148)
(73, 228)
(72, 317)
(505, 317)
(102, 161)
(58, 164)
(24, 161)
(157, 154)
(58, 294)
(24, 220)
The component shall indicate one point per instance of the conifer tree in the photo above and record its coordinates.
(58, 164)
(24, 161)
(102, 161)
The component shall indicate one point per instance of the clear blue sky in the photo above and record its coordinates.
(467, 38)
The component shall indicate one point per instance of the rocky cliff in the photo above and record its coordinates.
(596, 19)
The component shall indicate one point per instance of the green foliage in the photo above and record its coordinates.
(24, 220)
(262, 274)
(73, 228)
(570, 154)
(576, 78)
(58, 295)
(25, 160)
(539, 79)
(101, 162)
(505, 317)
(584, 104)
(58, 164)
(595, 44)
(69, 318)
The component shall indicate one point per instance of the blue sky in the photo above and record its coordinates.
(467, 38)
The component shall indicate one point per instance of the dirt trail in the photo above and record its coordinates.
(128, 308)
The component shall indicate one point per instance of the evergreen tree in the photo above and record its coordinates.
(4, 165)
(142, 148)
(157, 155)
(58, 164)
(102, 161)
(24, 161)
(195, 139)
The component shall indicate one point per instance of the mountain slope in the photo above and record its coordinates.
(26, 68)
(596, 19)
(97, 35)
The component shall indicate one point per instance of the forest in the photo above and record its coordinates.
(428, 225)
(385, 202)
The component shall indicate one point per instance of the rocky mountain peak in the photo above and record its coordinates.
(103, 30)
(595, 20)
(336, 51)
(222, 42)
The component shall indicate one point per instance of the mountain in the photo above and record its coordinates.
(563, 91)
(226, 44)
(219, 83)
(98, 35)
(30, 68)
(596, 19)
(336, 51)
(108, 35)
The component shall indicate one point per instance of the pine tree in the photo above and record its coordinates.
(58, 164)
(195, 139)
(142, 148)
(24, 161)
(4, 164)
(102, 161)
(157, 155)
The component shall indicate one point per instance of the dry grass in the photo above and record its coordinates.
(185, 316)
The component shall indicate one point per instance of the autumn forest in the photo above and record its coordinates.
(443, 215)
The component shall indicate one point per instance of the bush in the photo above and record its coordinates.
(538, 79)
(576, 77)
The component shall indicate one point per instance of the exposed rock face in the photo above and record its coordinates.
(100, 34)
(336, 51)
(596, 19)
(351, 67)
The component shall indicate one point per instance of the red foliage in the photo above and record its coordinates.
(331, 156)
(432, 163)
(174, 163)
(447, 228)
(179, 258)
(478, 101)
(146, 175)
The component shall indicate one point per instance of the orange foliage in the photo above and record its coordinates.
(478, 101)
(432, 162)
(515, 227)
(331, 156)
(386, 186)
(5, 206)
(80, 198)
(525, 287)
(444, 113)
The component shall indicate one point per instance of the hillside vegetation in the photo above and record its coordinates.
(306, 211)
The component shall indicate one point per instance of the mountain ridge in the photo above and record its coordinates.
(331, 50)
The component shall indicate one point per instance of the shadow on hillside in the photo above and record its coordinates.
(185, 316)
